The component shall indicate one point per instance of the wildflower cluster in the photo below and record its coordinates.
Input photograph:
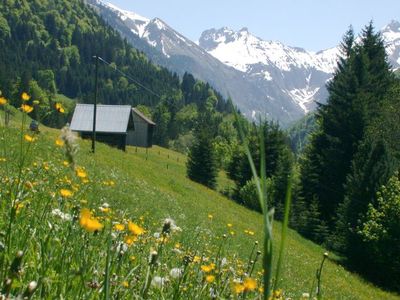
(78, 247)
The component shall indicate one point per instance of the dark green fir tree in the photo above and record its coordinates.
(201, 164)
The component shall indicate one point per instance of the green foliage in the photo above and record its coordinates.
(355, 149)
(300, 132)
(343, 122)
(144, 110)
(183, 143)
(201, 163)
(161, 117)
(380, 234)
(54, 42)
(279, 161)
(248, 194)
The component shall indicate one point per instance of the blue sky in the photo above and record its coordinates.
(310, 24)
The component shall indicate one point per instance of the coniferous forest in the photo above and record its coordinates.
(345, 178)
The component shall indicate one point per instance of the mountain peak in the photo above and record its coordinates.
(124, 14)
(392, 26)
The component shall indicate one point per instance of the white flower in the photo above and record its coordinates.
(224, 261)
(122, 248)
(159, 282)
(176, 251)
(61, 215)
(170, 226)
(176, 272)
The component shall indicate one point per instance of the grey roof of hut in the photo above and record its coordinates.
(109, 118)
(142, 116)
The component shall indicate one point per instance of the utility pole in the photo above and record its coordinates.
(95, 106)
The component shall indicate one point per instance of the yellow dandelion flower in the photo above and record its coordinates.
(66, 193)
(105, 209)
(119, 227)
(135, 229)
(25, 96)
(29, 138)
(88, 222)
(249, 284)
(28, 185)
(2, 159)
(60, 108)
(26, 108)
(130, 239)
(277, 294)
(59, 142)
(208, 268)
(3, 101)
(196, 259)
(18, 207)
(210, 278)
(132, 258)
(210, 216)
(125, 284)
(238, 287)
(177, 245)
(80, 172)
(229, 225)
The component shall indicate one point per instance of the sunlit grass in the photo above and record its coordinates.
(66, 252)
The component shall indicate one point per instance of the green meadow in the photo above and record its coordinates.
(96, 228)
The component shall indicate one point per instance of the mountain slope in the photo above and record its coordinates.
(262, 77)
(153, 184)
(297, 72)
(169, 48)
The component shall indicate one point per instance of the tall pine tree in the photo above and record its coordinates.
(202, 165)
(328, 158)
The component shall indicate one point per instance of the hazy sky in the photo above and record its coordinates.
(310, 24)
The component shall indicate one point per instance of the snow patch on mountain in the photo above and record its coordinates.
(241, 49)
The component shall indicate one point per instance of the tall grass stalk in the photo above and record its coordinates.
(288, 200)
(268, 214)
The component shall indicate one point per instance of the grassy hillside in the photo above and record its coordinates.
(147, 187)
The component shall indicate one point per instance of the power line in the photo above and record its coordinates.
(126, 75)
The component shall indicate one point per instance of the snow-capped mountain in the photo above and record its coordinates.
(167, 47)
(298, 73)
(391, 36)
(261, 77)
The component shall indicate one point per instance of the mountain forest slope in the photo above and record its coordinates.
(49, 47)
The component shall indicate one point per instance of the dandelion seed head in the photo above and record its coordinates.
(176, 272)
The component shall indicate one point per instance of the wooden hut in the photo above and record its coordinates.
(114, 123)
(144, 128)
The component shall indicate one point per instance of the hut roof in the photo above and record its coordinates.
(109, 118)
(142, 116)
